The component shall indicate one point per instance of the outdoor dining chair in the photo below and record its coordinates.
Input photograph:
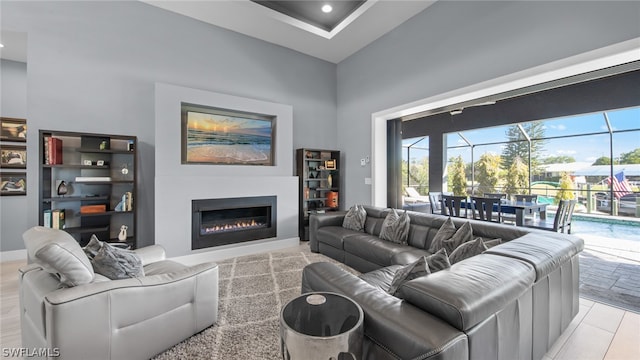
(452, 206)
(486, 209)
(495, 195)
(561, 221)
(526, 198)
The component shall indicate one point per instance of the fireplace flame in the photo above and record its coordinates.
(236, 226)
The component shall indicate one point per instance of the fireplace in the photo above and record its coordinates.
(226, 221)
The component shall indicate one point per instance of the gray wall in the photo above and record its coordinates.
(93, 65)
(13, 91)
(453, 44)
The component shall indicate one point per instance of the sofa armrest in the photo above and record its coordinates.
(150, 254)
(316, 221)
(471, 290)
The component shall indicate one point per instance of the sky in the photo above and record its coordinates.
(582, 148)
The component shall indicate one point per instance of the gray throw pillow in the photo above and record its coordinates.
(409, 272)
(355, 218)
(438, 261)
(112, 262)
(463, 234)
(395, 228)
(446, 231)
(467, 250)
(491, 243)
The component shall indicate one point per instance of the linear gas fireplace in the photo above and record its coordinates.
(225, 221)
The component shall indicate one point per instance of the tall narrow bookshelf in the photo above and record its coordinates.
(318, 174)
(99, 194)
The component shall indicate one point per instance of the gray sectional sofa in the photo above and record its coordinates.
(510, 302)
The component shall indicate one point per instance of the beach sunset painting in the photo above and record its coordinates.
(228, 140)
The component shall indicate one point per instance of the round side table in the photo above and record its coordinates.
(321, 326)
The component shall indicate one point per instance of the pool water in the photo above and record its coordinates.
(611, 228)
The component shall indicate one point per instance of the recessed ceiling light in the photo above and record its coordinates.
(326, 8)
(1, 46)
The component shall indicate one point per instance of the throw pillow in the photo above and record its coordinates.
(355, 218)
(395, 228)
(491, 243)
(446, 231)
(438, 261)
(462, 235)
(409, 272)
(467, 250)
(113, 262)
(60, 254)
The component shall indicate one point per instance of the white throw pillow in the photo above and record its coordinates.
(58, 253)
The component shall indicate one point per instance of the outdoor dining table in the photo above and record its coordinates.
(521, 208)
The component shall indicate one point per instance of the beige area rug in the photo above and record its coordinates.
(253, 289)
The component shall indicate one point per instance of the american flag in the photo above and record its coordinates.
(620, 185)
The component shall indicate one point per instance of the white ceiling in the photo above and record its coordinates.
(15, 46)
(372, 20)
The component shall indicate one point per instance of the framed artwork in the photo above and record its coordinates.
(225, 137)
(13, 184)
(12, 129)
(13, 156)
(330, 164)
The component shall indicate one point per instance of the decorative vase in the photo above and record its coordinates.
(123, 233)
(329, 181)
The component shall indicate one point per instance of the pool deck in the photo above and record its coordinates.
(610, 271)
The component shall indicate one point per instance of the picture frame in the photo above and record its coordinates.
(13, 156)
(12, 184)
(212, 136)
(12, 129)
(330, 164)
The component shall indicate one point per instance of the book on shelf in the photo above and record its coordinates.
(52, 150)
(57, 219)
(92, 178)
(47, 218)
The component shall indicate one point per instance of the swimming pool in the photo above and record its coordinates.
(611, 228)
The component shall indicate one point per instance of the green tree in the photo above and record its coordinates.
(562, 159)
(456, 179)
(419, 175)
(632, 157)
(488, 172)
(602, 160)
(565, 192)
(517, 177)
(518, 146)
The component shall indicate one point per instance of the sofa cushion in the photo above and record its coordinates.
(395, 228)
(112, 262)
(375, 218)
(467, 250)
(58, 253)
(545, 252)
(334, 235)
(163, 267)
(374, 249)
(471, 290)
(382, 277)
(355, 218)
(446, 232)
(407, 256)
(409, 272)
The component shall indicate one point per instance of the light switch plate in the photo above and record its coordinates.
(367, 181)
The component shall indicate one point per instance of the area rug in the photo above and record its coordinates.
(253, 289)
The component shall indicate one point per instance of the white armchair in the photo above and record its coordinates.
(133, 318)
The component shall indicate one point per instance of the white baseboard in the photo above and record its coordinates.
(237, 250)
(13, 255)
